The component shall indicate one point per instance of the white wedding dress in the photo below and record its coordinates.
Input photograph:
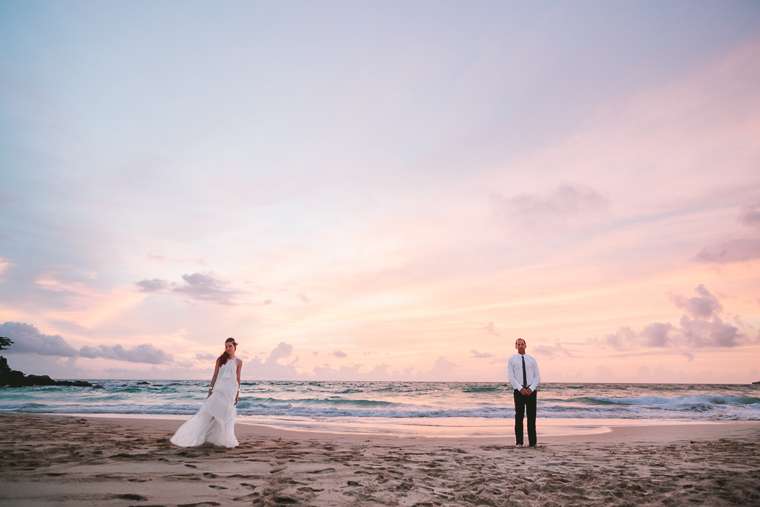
(215, 421)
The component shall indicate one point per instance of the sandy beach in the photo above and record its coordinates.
(84, 461)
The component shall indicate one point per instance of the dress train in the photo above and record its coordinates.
(215, 421)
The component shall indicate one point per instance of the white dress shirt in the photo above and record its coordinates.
(516, 374)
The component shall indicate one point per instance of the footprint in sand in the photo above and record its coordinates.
(131, 496)
(322, 471)
(307, 489)
(284, 500)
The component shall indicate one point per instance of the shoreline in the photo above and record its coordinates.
(611, 430)
(548, 429)
(88, 461)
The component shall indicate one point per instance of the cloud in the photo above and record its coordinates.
(200, 286)
(352, 372)
(550, 352)
(281, 351)
(66, 281)
(442, 370)
(491, 329)
(604, 374)
(705, 305)
(750, 216)
(145, 353)
(271, 368)
(735, 250)
(4, 265)
(28, 340)
(714, 333)
(481, 355)
(155, 285)
(542, 350)
(565, 202)
(700, 327)
(274, 368)
(657, 334)
(339, 354)
(622, 339)
(206, 287)
(205, 356)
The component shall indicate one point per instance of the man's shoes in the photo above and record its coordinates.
(518, 445)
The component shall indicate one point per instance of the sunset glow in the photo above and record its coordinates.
(381, 191)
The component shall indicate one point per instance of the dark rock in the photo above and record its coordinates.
(132, 496)
(40, 380)
(74, 383)
(14, 378)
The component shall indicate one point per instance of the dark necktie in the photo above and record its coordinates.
(525, 375)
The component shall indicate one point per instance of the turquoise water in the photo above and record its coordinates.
(452, 408)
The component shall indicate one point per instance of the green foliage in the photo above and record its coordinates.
(5, 342)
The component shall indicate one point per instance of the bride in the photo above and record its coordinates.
(215, 421)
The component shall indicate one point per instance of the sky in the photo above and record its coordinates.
(381, 190)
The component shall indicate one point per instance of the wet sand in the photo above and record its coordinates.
(77, 461)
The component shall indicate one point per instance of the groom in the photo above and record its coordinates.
(524, 377)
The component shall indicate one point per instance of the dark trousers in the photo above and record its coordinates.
(521, 403)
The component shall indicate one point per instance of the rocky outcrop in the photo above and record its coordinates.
(15, 378)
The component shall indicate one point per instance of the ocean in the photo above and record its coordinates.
(402, 408)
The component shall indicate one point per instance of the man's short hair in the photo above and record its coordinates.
(522, 340)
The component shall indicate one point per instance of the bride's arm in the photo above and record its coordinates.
(213, 379)
(239, 368)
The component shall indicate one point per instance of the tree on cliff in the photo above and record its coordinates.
(13, 378)
(4, 344)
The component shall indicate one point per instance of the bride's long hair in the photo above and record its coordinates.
(222, 360)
